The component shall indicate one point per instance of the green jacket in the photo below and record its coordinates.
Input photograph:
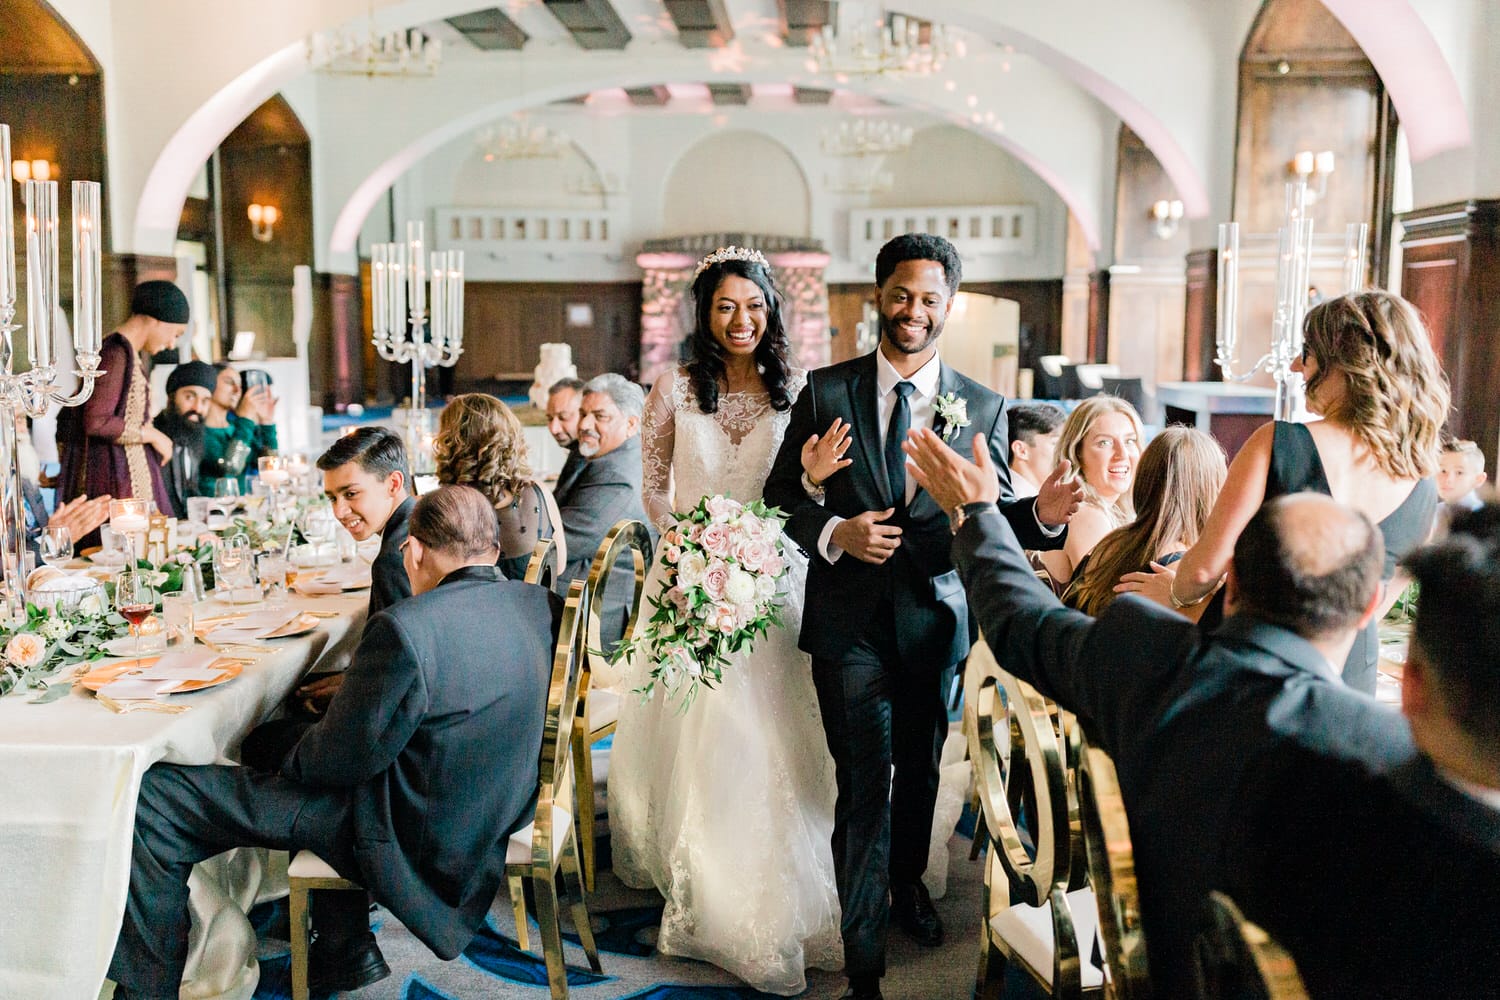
(261, 439)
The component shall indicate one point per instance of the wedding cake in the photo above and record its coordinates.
(556, 363)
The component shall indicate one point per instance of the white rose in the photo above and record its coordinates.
(765, 587)
(741, 587)
(91, 605)
(26, 650)
(690, 569)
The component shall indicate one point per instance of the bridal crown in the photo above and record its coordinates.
(722, 254)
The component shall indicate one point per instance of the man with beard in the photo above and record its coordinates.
(886, 619)
(190, 386)
(564, 403)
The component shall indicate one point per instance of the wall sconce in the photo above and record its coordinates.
(1308, 165)
(1166, 215)
(262, 219)
(33, 170)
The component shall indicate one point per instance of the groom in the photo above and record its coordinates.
(886, 619)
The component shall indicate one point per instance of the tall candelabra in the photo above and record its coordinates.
(34, 391)
(1294, 261)
(405, 332)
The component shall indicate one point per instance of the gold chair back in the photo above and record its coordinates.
(543, 568)
(556, 768)
(626, 536)
(1111, 869)
(1237, 959)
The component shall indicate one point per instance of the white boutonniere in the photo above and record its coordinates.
(954, 411)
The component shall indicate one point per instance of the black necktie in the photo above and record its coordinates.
(895, 433)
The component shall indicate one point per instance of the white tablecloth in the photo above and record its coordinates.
(70, 772)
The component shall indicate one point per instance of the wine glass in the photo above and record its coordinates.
(226, 488)
(56, 545)
(318, 527)
(135, 600)
(233, 566)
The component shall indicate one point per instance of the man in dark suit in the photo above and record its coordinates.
(606, 490)
(1370, 849)
(564, 408)
(885, 617)
(411, 785)
(368, 481)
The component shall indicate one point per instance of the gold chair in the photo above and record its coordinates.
(1111, 867)
(1237, 959)
(1012, 727)
(548, 845)
(599, 708)
(543, 567)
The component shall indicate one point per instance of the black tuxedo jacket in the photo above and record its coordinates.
(388, 582)
(1248, 767)
(436, 733)
(931, 611)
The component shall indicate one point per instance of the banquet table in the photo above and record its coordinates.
(70, 772)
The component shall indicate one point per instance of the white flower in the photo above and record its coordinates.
(765, 587)
(91, 605)
(741, 587)
(55, 629)
(184, 558)
(954, 412)
(690, 569)
(722, 508)
(25, 650)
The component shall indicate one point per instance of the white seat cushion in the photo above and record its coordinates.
(604, 708)
(1028, 931)
(518, 852)
(306, 864)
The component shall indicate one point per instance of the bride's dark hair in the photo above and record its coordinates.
(705, 366)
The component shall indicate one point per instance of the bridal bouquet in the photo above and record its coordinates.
(722, 561)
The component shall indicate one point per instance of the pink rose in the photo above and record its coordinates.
(672, 536)
(695, 533)
(722, 508)
(715, 579)
(725, 618)
(677, 598)
(774, 566)
(753, 553)
(718, 540)
(672, 554)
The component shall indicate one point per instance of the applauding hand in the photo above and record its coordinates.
(1058, 499)
(823, 455)
(81, 515)
(946, 476)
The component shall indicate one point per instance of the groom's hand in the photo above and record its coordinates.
(866, 538)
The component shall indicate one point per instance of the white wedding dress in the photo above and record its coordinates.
(727, 809)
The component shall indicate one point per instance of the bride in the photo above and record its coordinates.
(727, 809)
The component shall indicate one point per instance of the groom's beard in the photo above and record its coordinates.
(890, 331)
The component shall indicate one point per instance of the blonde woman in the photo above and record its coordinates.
(480, 444)
(1176, 483)
(1373, 378)
(1102, 440)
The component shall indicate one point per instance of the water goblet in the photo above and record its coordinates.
(226, 488)
(56, 545)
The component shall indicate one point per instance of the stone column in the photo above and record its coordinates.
(663, 289)
(800, 278)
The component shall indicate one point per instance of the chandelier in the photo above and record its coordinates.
(866, 137)
(888, 45)
(352, 52)
(514, 139)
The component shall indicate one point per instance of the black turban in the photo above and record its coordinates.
(199, 373)
(159, 300)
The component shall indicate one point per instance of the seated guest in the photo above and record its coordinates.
(1460, 475)
(1102, 440)
(1176, 483)
(81, 515)
(448, 688)
(240, 426)
(190, 386)
(563, 402)
(1368, 847)
(480, 444)
(1034, 430)
(607, 489)
(365, 478)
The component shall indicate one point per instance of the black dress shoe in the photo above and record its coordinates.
(343, 968)
(863, 989)
(912, 909)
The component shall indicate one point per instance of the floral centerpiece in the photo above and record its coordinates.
(45, 640)
(722, 561)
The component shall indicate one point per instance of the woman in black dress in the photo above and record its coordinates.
(1373, 378)
(480, 444)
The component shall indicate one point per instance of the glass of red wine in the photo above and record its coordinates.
(135, 600)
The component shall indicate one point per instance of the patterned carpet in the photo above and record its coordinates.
(625, 922)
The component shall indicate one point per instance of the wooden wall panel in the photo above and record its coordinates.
(1198, 317)
(1450, 271)
(505, 324)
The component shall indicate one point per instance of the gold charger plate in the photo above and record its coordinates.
(301, 625)
(100, 676)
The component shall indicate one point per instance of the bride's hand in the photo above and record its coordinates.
(823, 455)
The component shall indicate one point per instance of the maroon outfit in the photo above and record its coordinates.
(96, 441)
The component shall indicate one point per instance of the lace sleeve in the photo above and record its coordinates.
(658, 433)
